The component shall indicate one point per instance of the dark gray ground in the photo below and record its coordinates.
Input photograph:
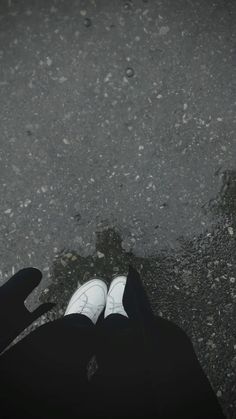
(118, 145)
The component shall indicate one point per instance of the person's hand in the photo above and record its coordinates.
(14, 316)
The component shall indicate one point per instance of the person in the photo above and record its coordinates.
(109, 356)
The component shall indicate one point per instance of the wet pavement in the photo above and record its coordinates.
(118, 146)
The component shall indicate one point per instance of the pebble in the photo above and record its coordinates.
(211, 344)
(231, 231)
(210, 319)
(62, 79)
(164, 30)
(49, 61)
(27, 202)
(87, 22)
(44, 189)
(100, 255)
(108, 77)
(129, 72)
(68, 255)
(127, 6)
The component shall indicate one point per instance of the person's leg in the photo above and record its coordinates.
(48, 368)
(122, 375)
(179, 381)
(149, 364)
(117, 331)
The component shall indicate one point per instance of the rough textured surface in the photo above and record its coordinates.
(118, 145)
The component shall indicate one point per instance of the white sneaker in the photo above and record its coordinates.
(89, 300)
(115, 294)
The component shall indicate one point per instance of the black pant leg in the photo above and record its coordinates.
(45, 374)
(151, 370)
(183, 388)
(119, 346)
(121, 383)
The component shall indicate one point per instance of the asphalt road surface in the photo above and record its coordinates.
(118, 146)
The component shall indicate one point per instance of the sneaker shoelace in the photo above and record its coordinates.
(115, 307)
(91, 309)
